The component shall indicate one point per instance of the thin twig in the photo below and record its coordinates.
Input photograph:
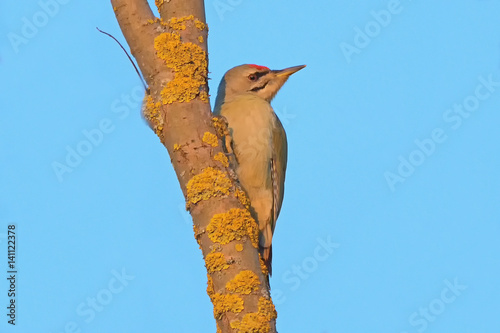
(129, 58)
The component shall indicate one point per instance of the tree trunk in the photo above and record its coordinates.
(172, 55)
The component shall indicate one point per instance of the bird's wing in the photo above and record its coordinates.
(278, 168)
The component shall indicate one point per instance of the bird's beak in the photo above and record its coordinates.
(288, 71)
(277, 80)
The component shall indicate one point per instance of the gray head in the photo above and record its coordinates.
(253, 79)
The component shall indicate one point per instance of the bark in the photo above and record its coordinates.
(171, 52)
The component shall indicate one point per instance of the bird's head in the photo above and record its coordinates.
(253, 79)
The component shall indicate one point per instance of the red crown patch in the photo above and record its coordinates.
(260, 68)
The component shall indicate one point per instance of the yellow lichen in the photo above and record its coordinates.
(221, 157)
(181, 89)
(263, 266)
(215, 262)
(226, 303)
(243, 283)
(208, 184)
(221, 128)
(220, 125)
(203, 96)
(210, 286)
(200, 39)
(179, 23)
(197, 234)
(238, 247)
(257, 322)
(177, 146)
(159, 3)
(151, 112)
(210, 139)
(189, 63)
(243, 198)
(233, 225)
(252, 323)
(155, 20)
(200, 25)
(267, 309)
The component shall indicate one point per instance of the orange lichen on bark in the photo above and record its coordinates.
(197, 234)
(200, 25)
(210, 139)
(263, 266)
(233, 225)
(189, 63)
(177, 146)
(159, 3)
(220, 125)
(215, 262)
(226, 303)
(267, 309)
(251, 323)
(238, 247)
(221, 157)
(243, 198)
(156, 20)
(179, 23)
(210, 287)
(151, 112)
(208, 184)
(257, 322)
(243, 283)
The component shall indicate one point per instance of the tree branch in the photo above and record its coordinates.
(172, 55)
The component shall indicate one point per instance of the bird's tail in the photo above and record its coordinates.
(267, 256)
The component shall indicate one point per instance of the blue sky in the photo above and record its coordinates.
(391, 215)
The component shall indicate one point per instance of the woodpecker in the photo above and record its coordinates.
(258, 141)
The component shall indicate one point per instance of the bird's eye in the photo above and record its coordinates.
(252, 77)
